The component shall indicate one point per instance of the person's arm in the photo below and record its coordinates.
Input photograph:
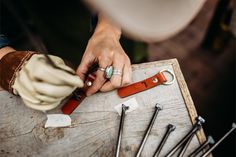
(104, 48)
(27, 74)
(5, 50)
(4, 46)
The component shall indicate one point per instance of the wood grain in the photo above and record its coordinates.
(95, 122)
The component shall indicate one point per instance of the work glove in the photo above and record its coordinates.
(40, 85)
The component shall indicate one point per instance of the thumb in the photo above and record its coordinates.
(85, 63)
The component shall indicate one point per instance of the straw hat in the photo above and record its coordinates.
(149, 20)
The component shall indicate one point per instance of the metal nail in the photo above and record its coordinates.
(158, 108)
(217, 143)
(195, 128)
(181, 154)
(170, 128)
(89, 83)
(209, 140)
(124, 108)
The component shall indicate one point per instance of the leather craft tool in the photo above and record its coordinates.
(195, 128)
(157, 109)
(170, 129)
(146, 84)
(209, 140)
(122, 119)
(183, 150)
(217, 143)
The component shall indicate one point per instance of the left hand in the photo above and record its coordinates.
(104, 48)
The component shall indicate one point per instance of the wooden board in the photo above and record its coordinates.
(96, 123)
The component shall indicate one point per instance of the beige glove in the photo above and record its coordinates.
(43, 87)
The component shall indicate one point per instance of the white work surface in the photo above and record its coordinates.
(95, 122)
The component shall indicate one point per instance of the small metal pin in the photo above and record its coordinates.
(181, 154)
(209, 140)
(170, 128)
(158, 108)
(124, 108)
(195, 128)
(89, 83)
(217, 143)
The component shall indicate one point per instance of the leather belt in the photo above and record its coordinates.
(146, 84)
(77, 97)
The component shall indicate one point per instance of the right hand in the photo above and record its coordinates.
(43, 87)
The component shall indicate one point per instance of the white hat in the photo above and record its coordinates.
(150, 20)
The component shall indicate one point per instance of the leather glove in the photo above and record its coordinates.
(40, 85)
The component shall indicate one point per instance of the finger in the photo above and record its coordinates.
(41, 107)
(51, 90)
(25, 80)
(100, 79)
(51, 75)
(24, 93)
(127, 74)
(65, 67)
(85, 63)
(47, 99)
(57, 61)
(116, 79)
(28, 85)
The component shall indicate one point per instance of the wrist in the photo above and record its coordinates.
(107, 27)
(5, 50)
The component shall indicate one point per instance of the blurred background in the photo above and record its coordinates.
(205, 50)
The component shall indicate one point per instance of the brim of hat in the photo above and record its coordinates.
(150, 20)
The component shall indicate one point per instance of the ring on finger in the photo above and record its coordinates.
(108, 71)
(102, 69)
(117, 72)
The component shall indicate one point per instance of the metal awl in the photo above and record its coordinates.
(158, 108)
(124, 108)
(217, 143)
(195, 128)
(209, 140)
(170, 128)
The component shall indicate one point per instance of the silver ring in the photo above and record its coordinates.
(102, 69)
(172, 75)
(117, 72)
(108, 72)
(89, 83)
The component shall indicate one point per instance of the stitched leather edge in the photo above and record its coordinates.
(10, 65)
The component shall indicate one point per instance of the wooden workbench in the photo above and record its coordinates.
(95, 122)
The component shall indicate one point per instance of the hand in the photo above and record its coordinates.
(43, 87)
(104, 48)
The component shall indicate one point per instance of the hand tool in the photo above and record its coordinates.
(183, 150)
(217, 143)
(124, 108)
(157, 109)
(209, 140)
(146, 84)
(170, 128)
(195, 128)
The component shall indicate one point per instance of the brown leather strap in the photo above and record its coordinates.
(137, 87)
(78, 96)
(10, 64)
